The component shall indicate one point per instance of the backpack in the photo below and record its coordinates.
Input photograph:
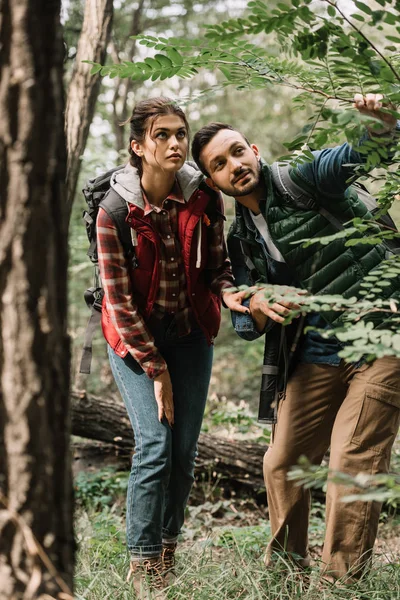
(97, 191)
(297, 196)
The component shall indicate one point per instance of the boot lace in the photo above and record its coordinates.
(168, 557)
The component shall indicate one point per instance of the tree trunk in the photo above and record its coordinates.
(35, 470)
(84, 87)
(105, 419)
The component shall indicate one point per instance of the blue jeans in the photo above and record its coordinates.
(162, 471)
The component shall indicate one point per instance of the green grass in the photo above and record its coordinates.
(223, 540)
(225, 561)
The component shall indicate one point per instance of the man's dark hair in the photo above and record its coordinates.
(204, 136)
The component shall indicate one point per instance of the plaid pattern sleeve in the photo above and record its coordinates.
(122, 309)
(220, 272)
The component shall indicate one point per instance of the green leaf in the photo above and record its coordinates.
(363, 7)
(174, 55)
(390, 18)
(95, 69)
(163, 60)
(154, 64)
(226, 72)
(331, 11)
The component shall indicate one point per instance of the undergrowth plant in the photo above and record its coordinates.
(384, 487)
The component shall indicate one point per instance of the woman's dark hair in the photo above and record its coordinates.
(142, 118)
(204, 136)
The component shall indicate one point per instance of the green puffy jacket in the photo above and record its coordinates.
(321, 269)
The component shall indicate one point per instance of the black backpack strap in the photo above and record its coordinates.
(115, 206)
(294, 194)
(248, 261)
(289, 190)
(93, 323)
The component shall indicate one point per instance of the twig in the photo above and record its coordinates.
(316, 121)
(34, 548)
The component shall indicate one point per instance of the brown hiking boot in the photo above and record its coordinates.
(168, 560)
(147, 577)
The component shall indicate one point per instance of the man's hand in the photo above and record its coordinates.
(371, 105)
(233, 300)
(164, 398)
(261, 310)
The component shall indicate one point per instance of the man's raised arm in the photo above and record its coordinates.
(333, 169)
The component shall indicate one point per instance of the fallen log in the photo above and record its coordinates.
(237, 463)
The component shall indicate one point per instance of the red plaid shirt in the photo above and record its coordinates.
(172, 296)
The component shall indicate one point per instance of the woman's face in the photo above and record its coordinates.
(165, 145)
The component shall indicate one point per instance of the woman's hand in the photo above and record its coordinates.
(233, 300)
(164, 397)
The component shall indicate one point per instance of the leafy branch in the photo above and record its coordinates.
(384, 487)
(352, 319)
(368, 10)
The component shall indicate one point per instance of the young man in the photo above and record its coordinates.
(353, 408)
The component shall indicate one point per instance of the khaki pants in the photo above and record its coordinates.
(354, 411)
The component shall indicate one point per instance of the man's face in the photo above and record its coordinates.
(233, 166)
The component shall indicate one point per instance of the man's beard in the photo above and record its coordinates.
(247, 189)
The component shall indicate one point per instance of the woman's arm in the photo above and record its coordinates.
(126, 317)
(218, 264)
(220, 275)
(122, 308)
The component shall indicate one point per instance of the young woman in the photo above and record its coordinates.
(161, 312)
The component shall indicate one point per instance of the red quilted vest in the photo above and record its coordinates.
(145, 276)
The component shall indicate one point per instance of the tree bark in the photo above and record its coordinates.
(84, 87)
(105, 419)
(36, 536)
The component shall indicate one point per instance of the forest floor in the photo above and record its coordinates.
(220, 555)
